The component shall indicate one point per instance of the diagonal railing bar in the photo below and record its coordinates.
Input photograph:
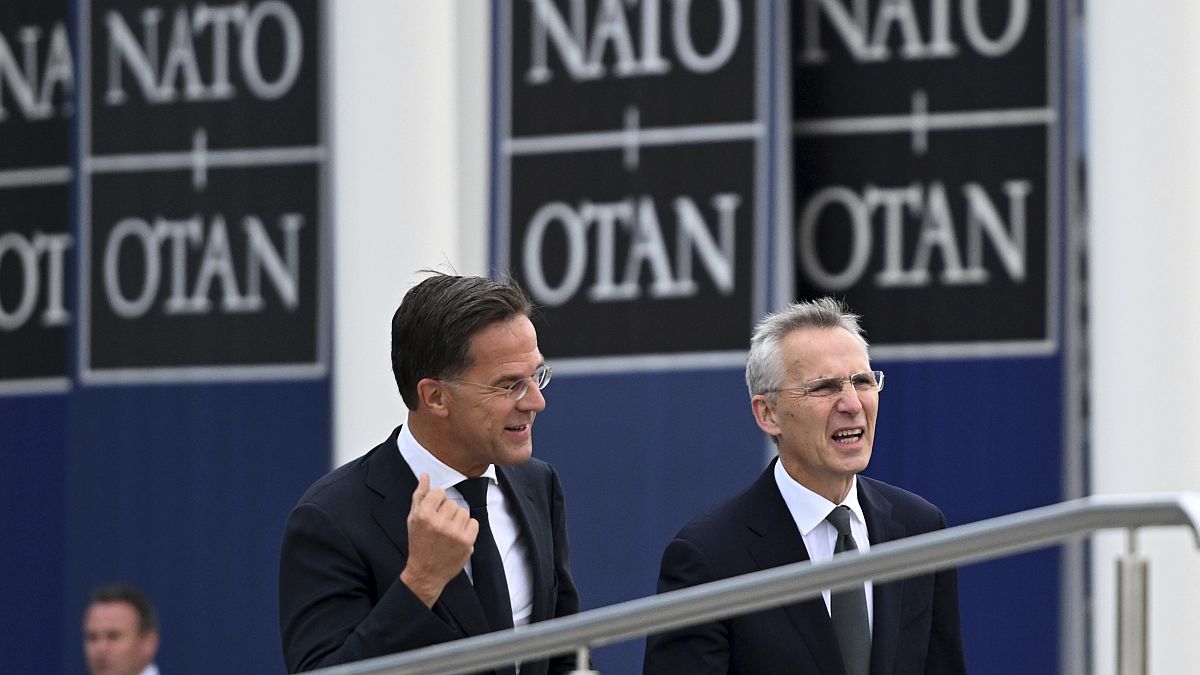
(974, 542)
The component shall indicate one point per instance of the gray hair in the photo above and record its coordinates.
(764, 365)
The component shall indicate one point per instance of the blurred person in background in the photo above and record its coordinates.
(120, 632)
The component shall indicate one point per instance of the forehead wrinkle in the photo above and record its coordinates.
(497, 354)
(818, 353)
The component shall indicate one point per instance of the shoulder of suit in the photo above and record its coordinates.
(729, 515)
(532, 469)
(347, 476)
(904, 502)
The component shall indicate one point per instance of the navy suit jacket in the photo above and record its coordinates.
(346, 542)
(916, 624)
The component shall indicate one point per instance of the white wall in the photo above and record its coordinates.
(1143, 105)
(409, 138)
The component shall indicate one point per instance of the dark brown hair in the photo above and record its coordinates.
(433, 327)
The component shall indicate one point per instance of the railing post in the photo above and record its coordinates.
(1132, 593)
(582, 662)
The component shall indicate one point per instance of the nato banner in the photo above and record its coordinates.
(665, 173)
(631, 197)
(201, 231)
(635, 148)
(164, 388)
(36, 85)
(930, 193)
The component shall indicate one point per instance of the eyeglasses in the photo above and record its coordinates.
(517, 390)
(872, 380)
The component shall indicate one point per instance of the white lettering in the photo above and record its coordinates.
(216, 271)
(1018, 18)
(982, 218)
(693, 60)
(576, 262)
(293, 39)
(607, 217)
(866, 37)
(695, 237)
(582, 51)
(26, 256)
(860, 237)
(634, 226)
(907, 259)
(122, 305)
(31, 87)
(164, 78)
(262, 255)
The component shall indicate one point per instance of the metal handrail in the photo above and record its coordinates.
(974, 542)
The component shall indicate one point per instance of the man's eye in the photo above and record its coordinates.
(824, 387)
(864, 381)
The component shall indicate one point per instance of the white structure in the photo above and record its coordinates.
(1143, 143)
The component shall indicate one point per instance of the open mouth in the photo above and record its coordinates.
(518, 428)
(848, 436)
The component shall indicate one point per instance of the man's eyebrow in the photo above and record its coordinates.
(513, 377)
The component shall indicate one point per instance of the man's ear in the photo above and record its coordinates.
(149, 645)
(764, 414)
(433, 396)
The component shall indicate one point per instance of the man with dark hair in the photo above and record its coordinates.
(448, 528)
(120, 632)
(814, 392)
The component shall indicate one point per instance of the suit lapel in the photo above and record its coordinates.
(881, 527)
(534, 528)
(389, 476)
(780, 543)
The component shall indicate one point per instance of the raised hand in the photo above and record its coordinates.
(441, 537)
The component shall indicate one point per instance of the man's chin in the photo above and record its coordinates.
(516, 455)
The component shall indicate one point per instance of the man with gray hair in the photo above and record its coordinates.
(809, 504)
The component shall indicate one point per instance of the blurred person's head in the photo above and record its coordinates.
(120, 631)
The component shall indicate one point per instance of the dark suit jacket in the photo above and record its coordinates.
(346, 542)
(916, 626)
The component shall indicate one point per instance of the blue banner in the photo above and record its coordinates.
(666, 174)
(164, 389)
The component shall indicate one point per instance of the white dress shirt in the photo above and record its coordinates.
(514, 550)
(809, 510)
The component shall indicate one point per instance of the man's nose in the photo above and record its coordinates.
(533, 399)
(848, 400)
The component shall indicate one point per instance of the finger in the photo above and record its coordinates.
(422, 489)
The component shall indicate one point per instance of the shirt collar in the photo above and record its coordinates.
(422, 461)
(808, 508)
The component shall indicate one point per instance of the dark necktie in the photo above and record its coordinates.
(848, 608)
(487, 569)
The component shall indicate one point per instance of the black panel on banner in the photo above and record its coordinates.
(678, 281)
(36, 245)
(632, 159)
(970, 56)
(203, 232)
(922, 169)
(224, 277)
(36, 82)
(246, 73)
(681, 63)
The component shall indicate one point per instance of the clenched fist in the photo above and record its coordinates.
(441, 537)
